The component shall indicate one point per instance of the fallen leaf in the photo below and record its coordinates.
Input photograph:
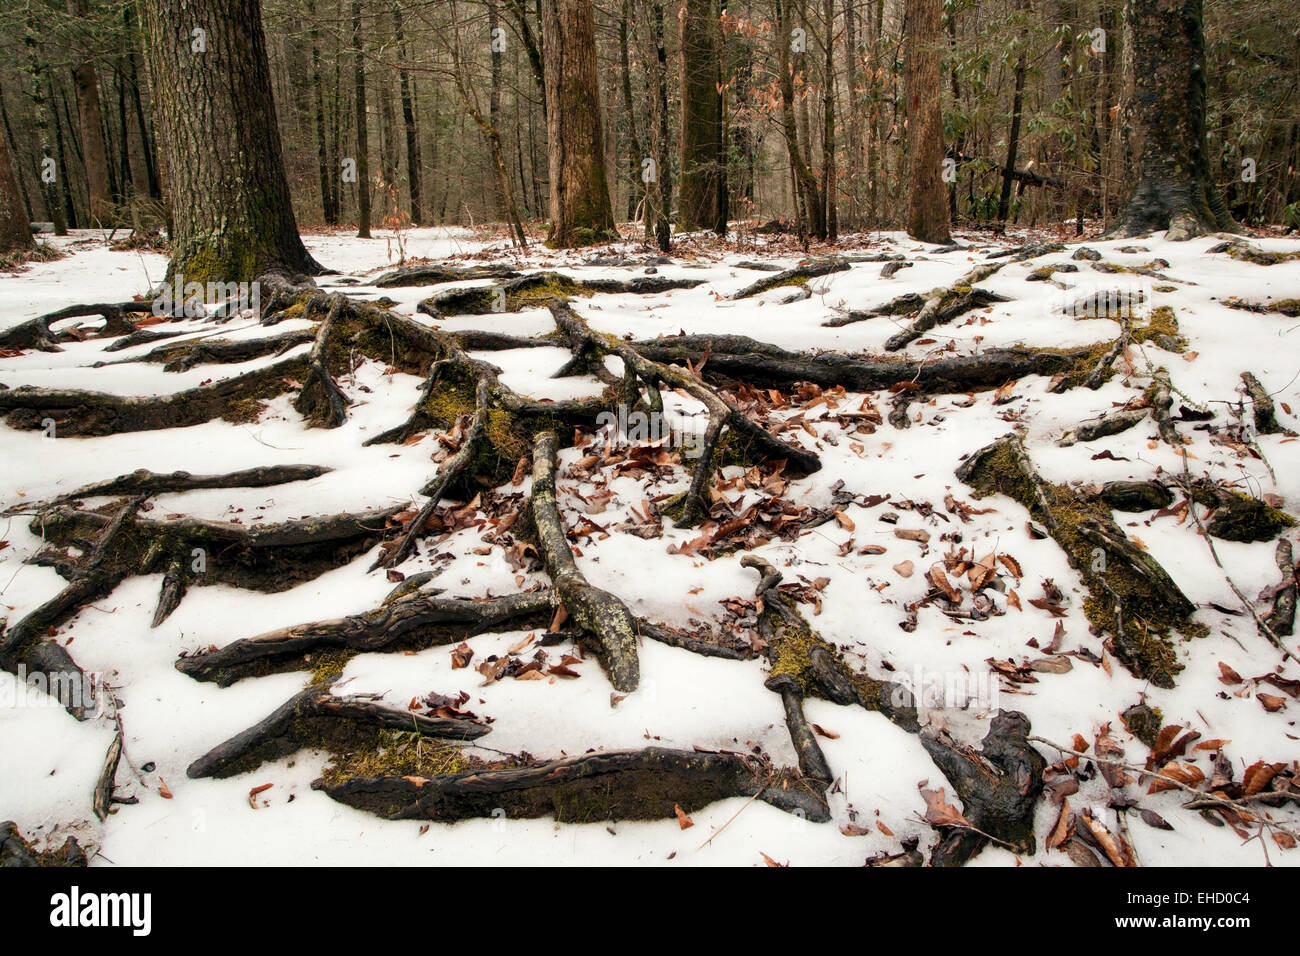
(683, 821)
(461, 655)
(828, 734)
(904, 569)
(1271, 702)
(940, 813)
(771, 862)
(252, 794)
(162, 789)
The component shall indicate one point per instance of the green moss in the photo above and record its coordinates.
(390, 753)
(327, 666)
(1142, 637)
(1161, 329)
(1241, 517)
(791, 645)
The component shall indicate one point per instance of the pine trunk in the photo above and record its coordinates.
(927, 212)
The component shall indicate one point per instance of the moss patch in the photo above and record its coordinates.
(1121, 602)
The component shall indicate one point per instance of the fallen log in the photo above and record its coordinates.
(438, 274)
(537, 289)
(798, 276)
(943, 305)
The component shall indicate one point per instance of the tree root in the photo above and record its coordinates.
(85, 413)
(536, 289)
(799, 275)
(414, 622)
(320, 401)
(998, 784)
(1262, 402)
(1111, 423)
(1245, 251)
(313, 716)
(143, 481)
(1280, 620)
(1132, 598)
(102, 797)
(36, 334)
(272, 557)
(739, 358)
(183, 356)
(693, 506)
(437, 275)
(941, 306)
(24, 644)
(643, 784)
(603, 618)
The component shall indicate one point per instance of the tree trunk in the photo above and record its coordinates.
(1174, 190)
(703, 194)
(1013, 145)
(412, 134)
(363, 132)
(580, 208)
(927, 208)
(94, 154)
(232, 218)
(635, 152)
(660, 194)
(50, 172)
(328, 175)
(15, 228)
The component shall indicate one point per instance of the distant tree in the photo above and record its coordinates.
(94, 154)
(703, 202)
(15, 229)
(211, 85)
(1174, 189)
(580, 207)
(927, 208)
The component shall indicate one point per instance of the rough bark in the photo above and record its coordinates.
(927, 206)
(231, 212)
(703, 202)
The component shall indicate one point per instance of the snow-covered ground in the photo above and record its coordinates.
(49, 761)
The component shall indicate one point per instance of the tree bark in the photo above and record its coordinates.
(94, 154)
(927, 209)
(580, 208)
(363, 133)
(232, 217)
(1175, 190)
(15, 228)
(703, 203)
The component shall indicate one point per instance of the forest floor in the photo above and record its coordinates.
(888, 555)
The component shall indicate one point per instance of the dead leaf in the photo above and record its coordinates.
(1064, 828)
(1271, 702)
(904, 569)
(940, 813)
(162, 789)
(683, 821)
(844, 521)
(252, 794)
(828, 734)
(461, 655)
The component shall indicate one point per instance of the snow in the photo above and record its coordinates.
(49, 762)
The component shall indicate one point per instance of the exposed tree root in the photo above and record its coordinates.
(143, 481)
(102, 797)
(1287, 307)
(84, 413)
(433, 274)
(36, 334)
(943, 305)
(1281, 618)
(693, 506)
(320, 401)
(998, 784)
(1249, 252)
(313, 716)
(183, 356)
(618, 785)
(1111, 423)
(25, 645)
(739, 358)
(536, 289)
(271, 557)
(798, 276)
(1132, 598)
(413, 622)
(605, 620)
(1262, 402)
(16, 851)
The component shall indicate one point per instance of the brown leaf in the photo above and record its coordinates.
(252, 794)
(683, 821)
(557, 621)
(1153, 819)
(1045, 605)
(1227, 675)
(395, 576)
(562, 670)
(1258, 776)
(771, 862)
(940, 580)
(162, 789)
(1113, 845)
(940, 813)
(1284, 840)
(1012, 565)
(1271, 702)
(904, 569)
(828, 734)
(844, 521)
(1013, 600)
(461, 655)
(1064, 828)
(912, 534)
(1184, 773)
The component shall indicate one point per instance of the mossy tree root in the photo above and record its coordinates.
(314, 715)
(1281, 617)
(536, 288)
(78, 412)
(799, 275)
(943, 305)
(183, 356)
(1132, 598)
(998, 784)
(24, 644)
(645, 784)
(36, 333)
(320, 401)
(270, 557)
(433, 274)
(1265, 412)
(603, 618)
(693, 507)
(412, 622)
(451, 471)
(1110, 423)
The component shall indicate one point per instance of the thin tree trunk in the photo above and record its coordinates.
(413, 171)
(1013, 144)
(94, 153)
(50, 172)
(702, 202)
(363, 132)
(15, 227)
(328, 175)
